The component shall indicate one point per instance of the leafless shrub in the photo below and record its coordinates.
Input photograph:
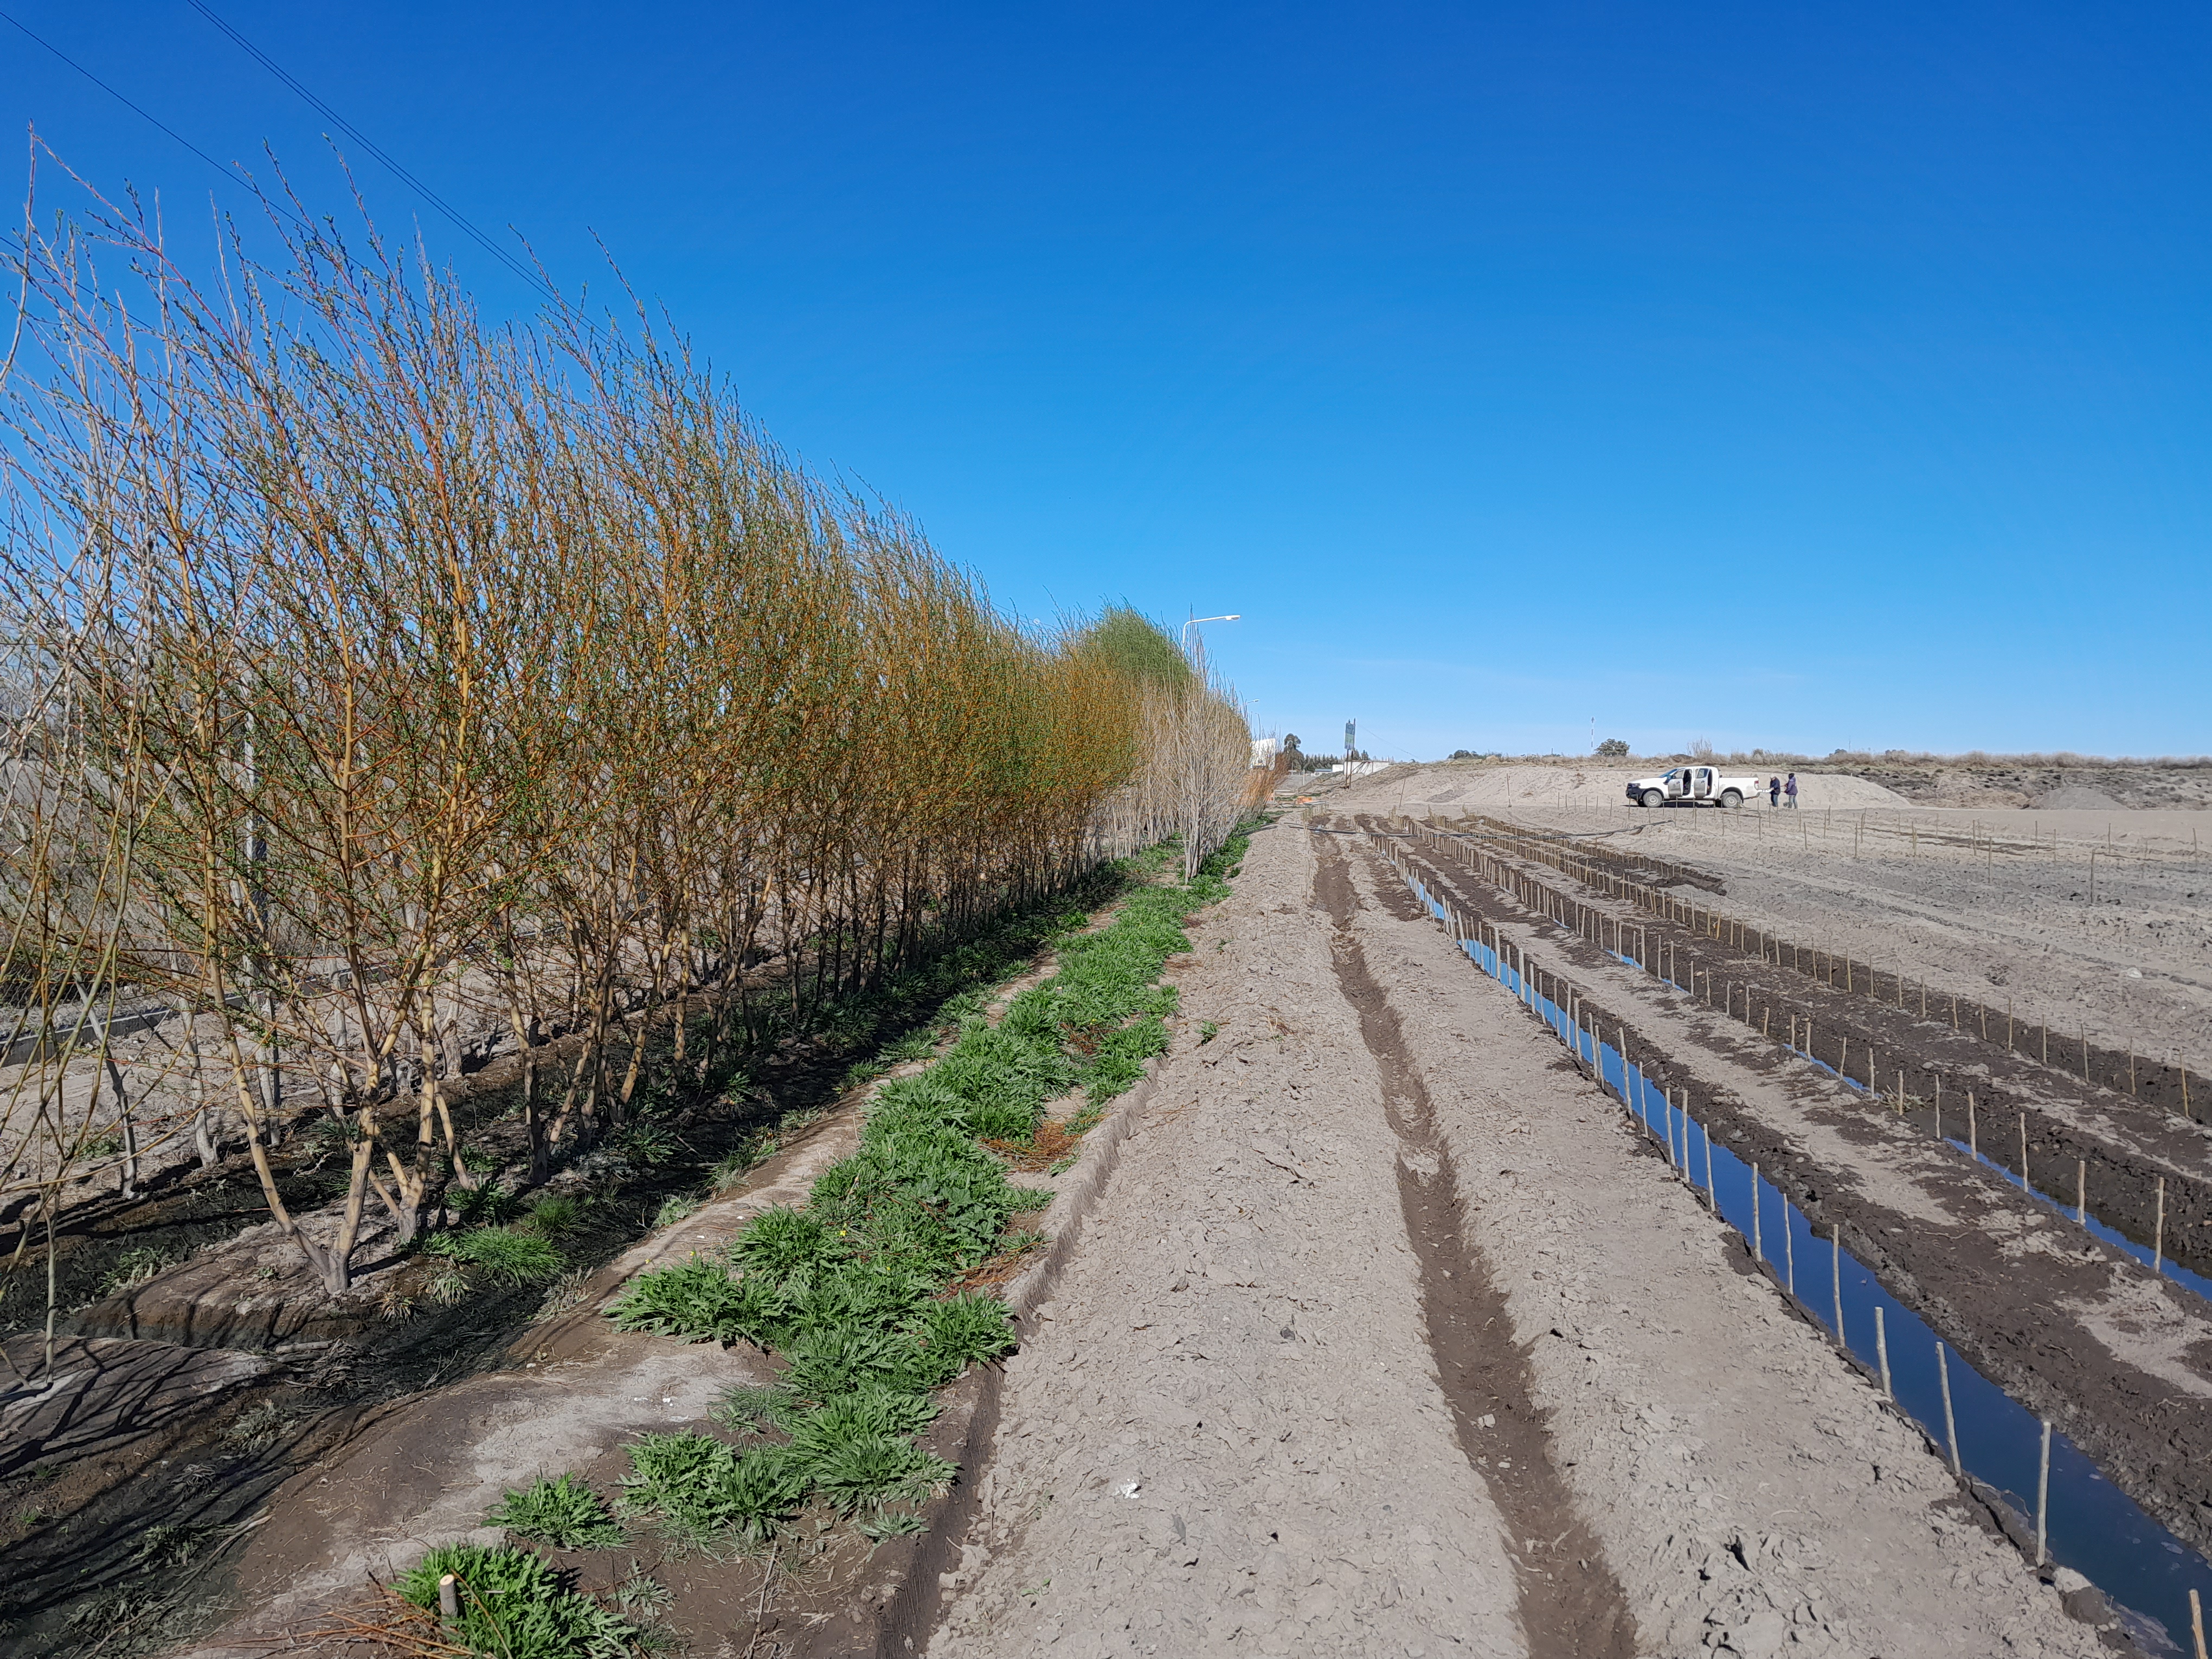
(374, 674)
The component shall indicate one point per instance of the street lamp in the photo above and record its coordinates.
(1194, 621)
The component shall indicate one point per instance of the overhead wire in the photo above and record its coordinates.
(454, 215)
(138, 109)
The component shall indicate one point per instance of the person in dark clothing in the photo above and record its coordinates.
(1790, 789)
(1774, 791)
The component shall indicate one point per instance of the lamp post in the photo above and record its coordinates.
(1195, 620)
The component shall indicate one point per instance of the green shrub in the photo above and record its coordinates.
(561, 1511)
(703, 1487)
(868, 1471)
(555, 1217)
(513, 1606)
(783, 1241)
(697, 1300)
(504, 1257)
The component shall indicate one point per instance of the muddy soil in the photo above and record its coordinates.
(2118, 1358)
(1285, 1401)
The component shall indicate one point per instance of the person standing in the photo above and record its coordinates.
(1790, 789)
(1774, 791)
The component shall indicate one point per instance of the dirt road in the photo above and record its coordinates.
(1388, 1337)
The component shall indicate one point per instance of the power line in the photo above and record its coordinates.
(234, 178)
(459, 220)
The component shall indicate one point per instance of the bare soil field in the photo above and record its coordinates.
(2095, 921)
(1389, 1336)
(1373, 1324)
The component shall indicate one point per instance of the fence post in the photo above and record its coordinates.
(1950, 1423)
(1757, 1254)
(1836, 1276)
(2043, 1499)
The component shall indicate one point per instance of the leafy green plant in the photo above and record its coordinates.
(702, 1487)
(259, 1426)
(869, 1471)
(557, 1216)
(487, 1205)
(171, 1544)
(848, 1288)
(504, 1257)
(749, 1408)
(561, 1511)
(1207, 1031)
(781, 1241)
(696, 1299)
(889, 1523)
(515, 1606)
(648, 1143)
(677, 1206)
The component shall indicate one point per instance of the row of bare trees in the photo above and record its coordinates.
(377, 676)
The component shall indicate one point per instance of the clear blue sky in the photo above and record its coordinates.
(1805, 376)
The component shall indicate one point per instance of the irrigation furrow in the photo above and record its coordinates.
(2093, 1526)
(2133, 1172)
(2070, 1328)
(2121, 1074)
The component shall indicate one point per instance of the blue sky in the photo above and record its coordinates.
(1785, 375)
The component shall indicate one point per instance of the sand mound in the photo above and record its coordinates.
(1510, 788)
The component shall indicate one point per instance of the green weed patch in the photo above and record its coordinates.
(561, 1511)
(849, 1289)
(513, 1606)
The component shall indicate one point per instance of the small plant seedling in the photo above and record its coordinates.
(889, 1523)
(674, 1208)
(1207, 1031)
(561, 1511)
(259, 1426)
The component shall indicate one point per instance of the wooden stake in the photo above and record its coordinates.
(1836, 1276)
(2158, 1230)
(1972, 1148)
(449, 1597)
(1788, 1248)
(2043, 1499)
(1881, 1351)
(2023, 1151)
(1712, 1199)
(1758, 1248)
(2196, 1608)
(1950, 1423)
(2081, 1191)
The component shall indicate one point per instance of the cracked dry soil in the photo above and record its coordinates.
(1387, 1337)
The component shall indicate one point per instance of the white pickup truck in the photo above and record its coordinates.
(1692, 786)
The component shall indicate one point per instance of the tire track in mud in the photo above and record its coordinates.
(1571, 1606)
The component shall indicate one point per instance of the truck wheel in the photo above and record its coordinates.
(1731, 798)
(1653, 798)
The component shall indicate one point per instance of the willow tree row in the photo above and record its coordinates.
(379, 677)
